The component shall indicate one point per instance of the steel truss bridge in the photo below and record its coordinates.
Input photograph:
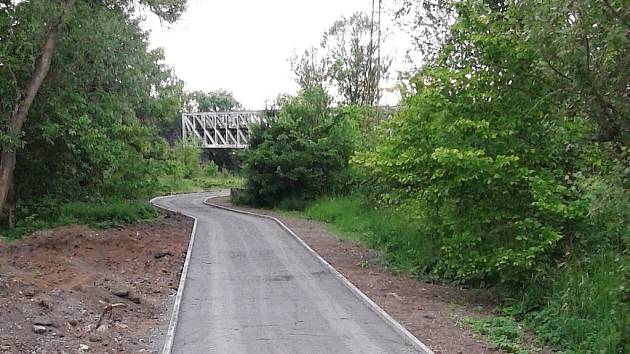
(220, 130)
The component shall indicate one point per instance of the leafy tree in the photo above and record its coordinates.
(32, 30)
(213, 101)
(299, 154)
(483, 155)
(428, 22)
(309, 69)
(354, 67)
(584, 47)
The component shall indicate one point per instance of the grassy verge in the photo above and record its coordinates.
(581, 307)
(198, 184)
(46, 215)
(394, 234)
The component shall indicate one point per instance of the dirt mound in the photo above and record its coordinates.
(57, 285)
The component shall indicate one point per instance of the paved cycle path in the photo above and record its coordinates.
(252, 288)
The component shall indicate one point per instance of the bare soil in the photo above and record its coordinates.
(431, 312)
(61, 282)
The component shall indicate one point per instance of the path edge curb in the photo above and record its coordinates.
(395, 325)
(172, 325)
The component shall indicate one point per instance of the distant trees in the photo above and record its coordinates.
(213, 101)
(349, 62)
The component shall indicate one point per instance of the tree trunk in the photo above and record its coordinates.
(16, 121)
(11, 206)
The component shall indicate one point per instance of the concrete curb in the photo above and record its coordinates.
(172, 326)
(395, 325)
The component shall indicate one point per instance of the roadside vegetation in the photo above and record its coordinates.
(100, 137)
(506, 166)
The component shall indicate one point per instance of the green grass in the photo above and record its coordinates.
(394, 234)
(587, 308)
(198, 184)
(503, 332)
(106, 214)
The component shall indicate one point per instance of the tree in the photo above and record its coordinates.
(93, 75)
(213, 101)
(26, 82)
(428, 22)
(309, 68)
(584, 46)
(354, 66)
(299, 154)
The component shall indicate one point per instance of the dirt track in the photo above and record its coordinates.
(67, 277)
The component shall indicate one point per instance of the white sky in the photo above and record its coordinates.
(243, 46)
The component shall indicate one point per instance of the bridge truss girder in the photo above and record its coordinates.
(220, 130)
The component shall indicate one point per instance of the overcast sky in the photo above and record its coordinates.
(243, 46)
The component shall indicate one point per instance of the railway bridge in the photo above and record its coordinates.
(220, 130)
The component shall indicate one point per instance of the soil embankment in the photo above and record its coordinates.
(74, 289)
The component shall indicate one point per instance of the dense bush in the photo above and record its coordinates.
(299, 154)
(492, 176)
(510, 157)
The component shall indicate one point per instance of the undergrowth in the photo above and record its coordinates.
(168, 184)
(48, 214)
(503, 332)
(580, 306)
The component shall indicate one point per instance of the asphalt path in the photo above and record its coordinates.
(252, 288)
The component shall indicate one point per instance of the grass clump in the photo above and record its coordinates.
(503, 332)
(586, 308)
(199, 183)
(393, 233)
(49, 214)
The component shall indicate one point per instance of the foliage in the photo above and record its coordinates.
(300, 153)
(503, 332)
(428, 22)
(49, 213)
(584, 46)
(355, 67)
(213, 101)
(395, 234)
(510, 157)
(470, 140)
(587, 309)
(91, 129)
(348, 61)
(199, 184)
(309, 68)
(211, 169)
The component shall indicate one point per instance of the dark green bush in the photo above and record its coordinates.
(299, 154)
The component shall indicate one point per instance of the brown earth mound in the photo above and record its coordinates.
(73, 289)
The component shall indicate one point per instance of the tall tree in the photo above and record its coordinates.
(309, 68)
(354, 67)
(24, 25)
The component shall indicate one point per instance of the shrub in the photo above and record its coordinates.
(211, 169)
(298, 154)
